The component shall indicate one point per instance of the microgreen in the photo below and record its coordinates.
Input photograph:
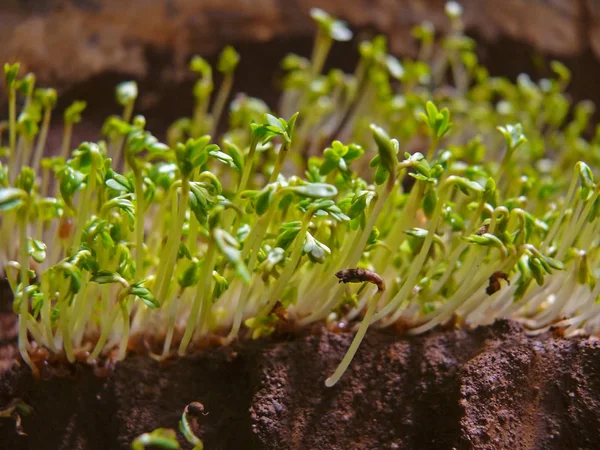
(162, 438)
(16, 410)
(185, 427)
(226, 233)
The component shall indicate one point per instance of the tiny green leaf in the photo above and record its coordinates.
(11, 198)
(126, 92)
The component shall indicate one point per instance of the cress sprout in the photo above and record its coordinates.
(471, 203)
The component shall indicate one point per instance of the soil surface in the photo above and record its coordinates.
(492, 387)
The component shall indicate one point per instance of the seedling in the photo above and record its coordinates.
(160, 438)
(357, 276)
(16, 410)
(474, 206)
(166, 438)
(185, 427)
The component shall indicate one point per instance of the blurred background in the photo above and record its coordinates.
(84, 47)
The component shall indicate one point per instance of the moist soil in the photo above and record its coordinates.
(491, 387)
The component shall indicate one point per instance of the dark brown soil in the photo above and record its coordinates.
(493, 387)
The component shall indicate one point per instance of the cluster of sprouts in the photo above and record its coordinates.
(489, 213)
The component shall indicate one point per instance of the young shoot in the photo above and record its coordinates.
(357, 276)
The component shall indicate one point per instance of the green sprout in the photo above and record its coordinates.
(185, 427)
(162, 438)
(16, 410)
(356, 177)
(72, 115)
(357, 276)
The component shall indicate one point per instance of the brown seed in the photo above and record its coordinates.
(195, 408)
(360, 276)
(494, 282)
(482, 230)
(65, 228)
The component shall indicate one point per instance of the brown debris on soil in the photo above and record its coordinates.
(492, 387)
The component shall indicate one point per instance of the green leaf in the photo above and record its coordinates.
(145, 295)
(437, 121)
(221, 285)
(229, 247)
(72, 114)
(432, 113)
(513, 135)
(315, 190)
(486, 240)
(537, 270)
(466, 185)
(191, 274)
(381, 175)
(120, 183)
(36, 249)
(47, 97)
(200, 66)
(26, 85)
(287, 234)
(264, 199)
(28, 125)
(394, 67)
(562, 71)
(276, 124)
(387, 150)
(222, 157)
(430, 199)
(315, 250)
(274, 257)
(236, 155)
(11, 198)
(10, 74)
(419, 233)
(126, 92)
(358, 205)
(105, 277)
(115, 126)
(335, 29)
(228, 60)
(453, 9)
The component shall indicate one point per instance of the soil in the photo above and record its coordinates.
(492, 387)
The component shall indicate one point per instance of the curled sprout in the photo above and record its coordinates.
(185, 427)
(16, 410)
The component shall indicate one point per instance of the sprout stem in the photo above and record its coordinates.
(66, 143)
(106, 329)
(290, 267)
(85, 205)
(139, 224)
(66, 332)
(24, 275)
(12, 133)
(360, 334)
(41, 143)
(164, 279)
(125, 333)
(220, 101)
(201, 294)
